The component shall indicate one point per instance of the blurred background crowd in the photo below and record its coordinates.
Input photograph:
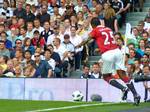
(41, 38)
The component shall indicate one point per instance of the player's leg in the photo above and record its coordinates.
(120, 68)
(109, 78)
(108, 69)
(129, 83)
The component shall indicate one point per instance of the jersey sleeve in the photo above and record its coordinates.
(93, 33)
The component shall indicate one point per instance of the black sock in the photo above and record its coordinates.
(117, 85)
(132, 88)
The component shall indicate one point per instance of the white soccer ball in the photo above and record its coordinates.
(77, 96)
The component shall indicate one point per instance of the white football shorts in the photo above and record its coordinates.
(112, 60)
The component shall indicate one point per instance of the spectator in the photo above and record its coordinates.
(147, 51)
(5, 12)
(132, 47)
(3, 50)
(68, 13)
(37, 25)
(23, 33)
(147, 22)
(29, 70)
(14, 22)
(2, 27)
(8, 43)
(15, 62)
(37, 40)
(28, 46)
(55, 34)
(27, 57)
(141, 49)
(71, 50)
(138, 70)
(135, 37)
(140, 27)
(18, 46)
(146, 72)
(145, 61)
(10, 68)
(146, 38)
(43, 15)
(47, 56)
(32, 2)
(86, 72)
(21, 22)
(96, 71)
(30, 30)
(47, 32)
(83, 31)
(80, 17)
(13, 35)
(53, 4)
(19, 72)
(63, 53)
(110, 19)
(35, 10)
(131, 70)
(79, 5)
(56, 57)
(67, 26)
(120, 43)
(117, 5)
(76, 40)
(3, 62)
(12, 5)
(42, 66)
(73, 21)
(86, 11)
(132, 54)
(1, 72)
(20, 12)
(126, 8)
(56, 13)
(99, 12)
(29, 16)
(62, 9)
(19, 56)
(94, 4)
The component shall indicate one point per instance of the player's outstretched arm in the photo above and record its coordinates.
(85, 42)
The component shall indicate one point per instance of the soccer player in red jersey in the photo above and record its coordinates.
(112, 59)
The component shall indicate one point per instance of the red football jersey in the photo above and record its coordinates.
(104, 38)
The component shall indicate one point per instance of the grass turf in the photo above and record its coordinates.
(22, 106)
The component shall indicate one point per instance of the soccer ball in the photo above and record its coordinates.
(77, 96)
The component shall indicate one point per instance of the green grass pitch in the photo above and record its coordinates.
(33, 106)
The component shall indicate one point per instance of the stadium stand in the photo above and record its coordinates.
(29, 27)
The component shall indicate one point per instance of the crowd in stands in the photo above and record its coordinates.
(41, 38)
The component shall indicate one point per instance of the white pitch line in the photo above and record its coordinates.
(68, 107)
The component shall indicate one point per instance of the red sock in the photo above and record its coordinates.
(126, 79)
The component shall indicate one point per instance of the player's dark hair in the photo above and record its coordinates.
(95, 22)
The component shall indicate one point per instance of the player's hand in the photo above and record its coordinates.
(96, 50)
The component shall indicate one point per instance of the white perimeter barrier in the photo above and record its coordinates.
(61, 89)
